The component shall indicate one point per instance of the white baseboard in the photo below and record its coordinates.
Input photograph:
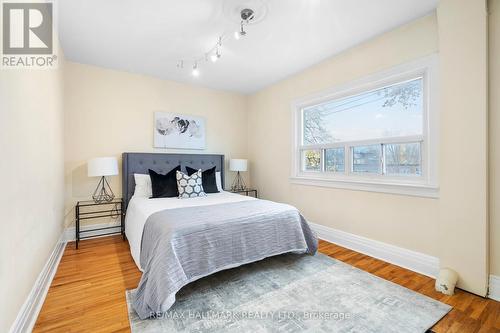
(69, 232)
(494, 289)
(27, 315)
(415, 261)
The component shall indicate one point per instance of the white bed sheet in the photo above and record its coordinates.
(140, 208)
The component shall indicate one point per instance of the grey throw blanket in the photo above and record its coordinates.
(184, 244)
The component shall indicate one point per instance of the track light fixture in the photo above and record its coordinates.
(215, 56)
(246, 15)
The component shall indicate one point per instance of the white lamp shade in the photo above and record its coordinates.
(237, 164)
(102, 166)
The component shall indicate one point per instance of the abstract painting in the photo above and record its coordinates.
(174, 130)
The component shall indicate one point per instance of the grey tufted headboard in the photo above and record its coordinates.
(162, 163)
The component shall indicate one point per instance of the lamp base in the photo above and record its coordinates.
(103, 192)
(238, 183)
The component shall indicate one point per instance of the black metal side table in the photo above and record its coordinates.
(86, 210)
(246, 192)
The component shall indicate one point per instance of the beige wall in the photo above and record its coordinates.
(110, 112)
(463, 220)
(400, 220)
(494, 38)
(453, 227)
(32, 169)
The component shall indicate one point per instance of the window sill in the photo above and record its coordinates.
(416, 190)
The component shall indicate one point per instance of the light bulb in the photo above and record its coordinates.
(196, 71)
(214, 57)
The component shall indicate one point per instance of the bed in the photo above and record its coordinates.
(176, 241)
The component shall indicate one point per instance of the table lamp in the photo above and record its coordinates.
(102, 167)
(238, 165)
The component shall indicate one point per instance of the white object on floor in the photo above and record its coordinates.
(494, 290)
(446, 281)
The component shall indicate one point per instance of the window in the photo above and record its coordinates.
(403, 159)
(312, 160)
(377, 131)
(367, 159)
(335, 159)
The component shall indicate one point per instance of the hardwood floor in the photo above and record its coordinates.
(88, 291)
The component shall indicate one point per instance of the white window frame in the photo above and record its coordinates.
(425, 185)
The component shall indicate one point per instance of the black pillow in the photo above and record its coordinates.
(207, 179)
(164, 186)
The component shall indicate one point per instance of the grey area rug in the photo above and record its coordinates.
(294, 293)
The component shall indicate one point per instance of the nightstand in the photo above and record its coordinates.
(87, 210)
(247, 192)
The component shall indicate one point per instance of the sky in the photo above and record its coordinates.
(362, 117)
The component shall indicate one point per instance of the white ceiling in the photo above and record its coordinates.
(150, 37)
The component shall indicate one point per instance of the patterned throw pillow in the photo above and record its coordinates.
(190, 186)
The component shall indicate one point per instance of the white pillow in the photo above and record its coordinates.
(143, 187)
(218, 181)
